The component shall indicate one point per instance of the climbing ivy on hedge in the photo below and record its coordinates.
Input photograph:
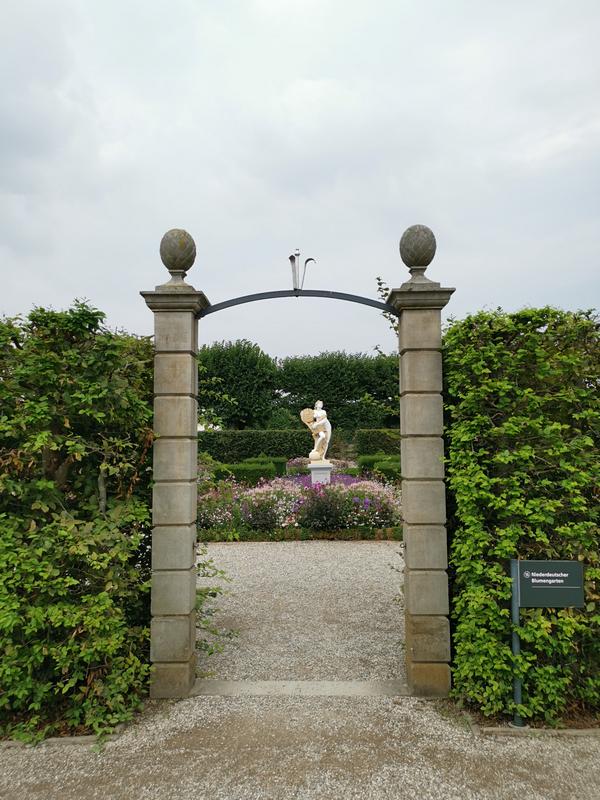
(523, 435)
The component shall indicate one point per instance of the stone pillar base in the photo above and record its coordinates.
(427, 679)
(173, 679)
(320, 472)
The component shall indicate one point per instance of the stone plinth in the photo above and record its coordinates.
(320, 472)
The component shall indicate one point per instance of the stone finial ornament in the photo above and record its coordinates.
(417, 249)
(417, 246)
(178, 253)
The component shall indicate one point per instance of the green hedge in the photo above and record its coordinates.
(389, 469)
(377, 440)
(75, 431)
(230, 446)
(367, 463)
(523, 435)
(235, 446)
(278, 462)
(250, 473)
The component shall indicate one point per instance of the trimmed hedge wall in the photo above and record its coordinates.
(231, 446)
(368, 463)
(250, 473)
(523, 435)
(235, 446)
(377, 440)
(278, 462)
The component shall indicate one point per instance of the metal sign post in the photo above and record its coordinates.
(516, 641)
(541, 584)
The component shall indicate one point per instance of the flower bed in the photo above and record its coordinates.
(291, 509)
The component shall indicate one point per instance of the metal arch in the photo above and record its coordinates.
(251, 298)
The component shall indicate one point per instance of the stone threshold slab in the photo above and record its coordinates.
(221, 688)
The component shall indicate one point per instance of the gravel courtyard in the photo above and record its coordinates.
(306, 611)
(310, 611)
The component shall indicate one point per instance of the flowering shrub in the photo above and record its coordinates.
(324, 508)
(270, 506)
(374, 505)
(216, 509)
(292, 503)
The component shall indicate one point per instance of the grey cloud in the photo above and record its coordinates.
(272, 124)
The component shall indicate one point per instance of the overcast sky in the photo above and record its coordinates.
(330, 125)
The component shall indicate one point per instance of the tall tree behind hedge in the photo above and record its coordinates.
(247, 375)
(359, 391)
(75, 433)
(523, 433)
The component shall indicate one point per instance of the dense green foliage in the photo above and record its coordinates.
(75, 412)
(523, 435)
(247, 375)
(231, 446)
(378, 440)
(389, 469)
(355, 388)
(234, 446)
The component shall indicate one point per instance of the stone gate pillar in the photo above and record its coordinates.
(175, 305)
(419, 302)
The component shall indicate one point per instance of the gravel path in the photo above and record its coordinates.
(251, 748)
(329, 615)
(309, 611)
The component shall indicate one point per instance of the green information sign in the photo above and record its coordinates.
(550, 584)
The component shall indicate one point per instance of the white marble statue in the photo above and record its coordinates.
(320, 427)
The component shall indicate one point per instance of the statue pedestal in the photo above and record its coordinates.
(320, 472)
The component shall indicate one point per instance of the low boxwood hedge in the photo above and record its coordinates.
(250, 473)
(390, 469)
(367, 463)
(279, 462)
(303, 534)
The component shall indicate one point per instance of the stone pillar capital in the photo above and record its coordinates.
(188, 299)
(414, 294)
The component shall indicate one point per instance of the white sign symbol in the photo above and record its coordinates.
(527, 574)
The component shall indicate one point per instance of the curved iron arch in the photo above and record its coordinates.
(251, 298)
